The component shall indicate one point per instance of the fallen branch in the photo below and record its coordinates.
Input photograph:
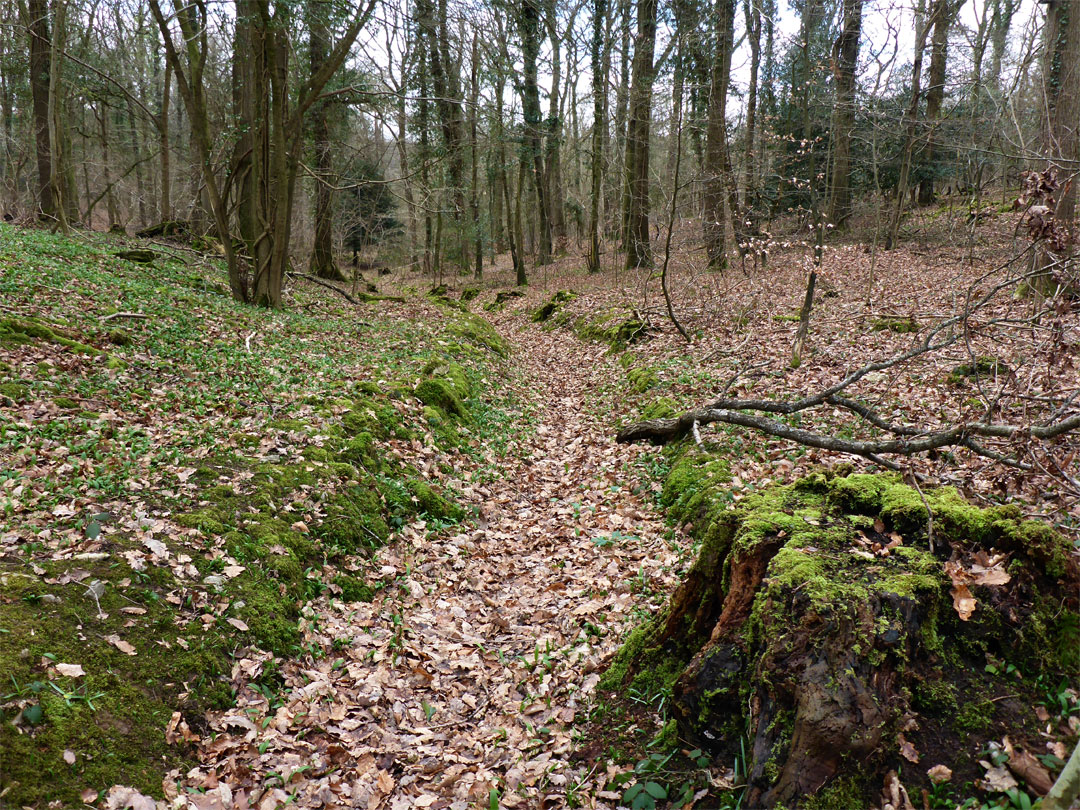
(901, 439)
(322, 283)
(115, 315)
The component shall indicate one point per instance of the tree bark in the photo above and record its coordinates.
(529, 29)
(599, 89)
(845, 61)
(40, 45)
(944, 14)
(911, 116)
(636, 241)
(716, 158)
(322, 262)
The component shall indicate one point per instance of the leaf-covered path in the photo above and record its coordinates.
(466, 681)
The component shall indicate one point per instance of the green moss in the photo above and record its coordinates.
(14, 330)
(551, 306)
(900, 325)
(660, 408)
(841, 794)
(432, 504)
(642, 379)
(975, 716)
(982, 367)
(468, 294)
(65, 403)
(440, 393)
(119, 337)
(16, 392)
(478, 331)
(354, 589)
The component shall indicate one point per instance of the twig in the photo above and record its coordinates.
(247, 342)
(929, 513)
(137, 315)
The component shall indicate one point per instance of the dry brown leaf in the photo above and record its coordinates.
(70, 670)
(1028, 768)
(69, 756)
(963, 601)
(939, 774)
(907, 750)
(239, 624)
(121, 645)
(997, 779)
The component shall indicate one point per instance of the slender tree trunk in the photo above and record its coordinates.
(166, 151)
(935, 93)
(638, 252)
(40, 44)
(322, 262)
(62, 190)
(846, 61)
(911, 116)
(753, 30)
(529, 27)
(599, 89)
(716, 159)
(616, 198)
(552, 159)
(474, 201)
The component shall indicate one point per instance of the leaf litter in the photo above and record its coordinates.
(470, 673)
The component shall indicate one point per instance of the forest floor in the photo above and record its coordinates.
(455, 661)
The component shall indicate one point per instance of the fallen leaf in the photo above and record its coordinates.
(997, 780)
(1027, 767)
(238, 624)
(963, 602)
(939, 774)
(120, 644)
(121, 797)
(69, 756)
(70, 670)
(907, 750)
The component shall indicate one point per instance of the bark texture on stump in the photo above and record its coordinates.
(816, 627)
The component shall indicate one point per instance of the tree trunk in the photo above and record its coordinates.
(638, 252)
(716, 159)
(943, 13)
(846, 61)
(753, 28)
(63, 191)
(552, 160)
(40, 44)
(529, 29)
(599, 89)
(322, 262)
(911, 116)
(474, 201)
(615, 200)
(165, 212)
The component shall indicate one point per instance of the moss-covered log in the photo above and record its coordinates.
(816, 627)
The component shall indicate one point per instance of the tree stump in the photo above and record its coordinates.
(819, 633)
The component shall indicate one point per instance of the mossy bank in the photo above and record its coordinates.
(175, 490)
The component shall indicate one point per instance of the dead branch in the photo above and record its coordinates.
(899, 439)
(322, 283)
